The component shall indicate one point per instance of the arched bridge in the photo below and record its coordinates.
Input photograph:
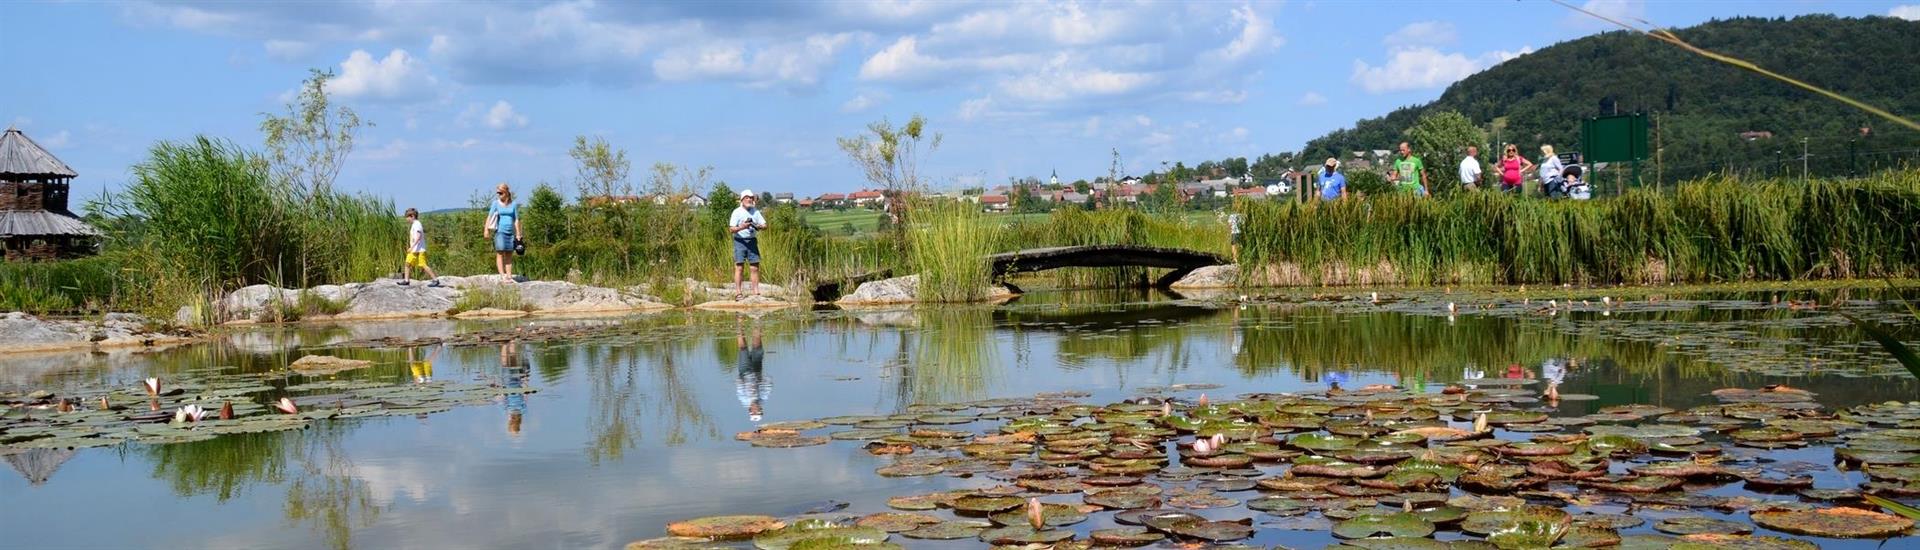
(1181, 261)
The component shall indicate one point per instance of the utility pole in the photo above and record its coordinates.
(1803, 160)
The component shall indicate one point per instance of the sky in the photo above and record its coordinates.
(467, 94)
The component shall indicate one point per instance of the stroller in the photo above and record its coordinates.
(1570, 185)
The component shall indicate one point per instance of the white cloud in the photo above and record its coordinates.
(1312, 98)
(56, 140)
(863, 101)
(287, 50)
(397, 77)
(1142, 120)
(903, 62)
(975, 108)
(799, 63)
(1910, 12)
(1256, 36)
(1423, 33)
(1424, 67)
(502, 116)
(1064, 77)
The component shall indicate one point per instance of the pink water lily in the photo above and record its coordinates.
(1035, 515)
(286, 406)
(189, 413)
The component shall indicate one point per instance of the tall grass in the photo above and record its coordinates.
(1713, 230)
(1074, 226)
(946, 246)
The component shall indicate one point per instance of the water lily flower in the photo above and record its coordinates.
(153, 386)
(226, 410)
(104, 405)
(189, 413)
(1202, 401)
(286, 406)
(1035, 514)
(1374, 297)
(1202, 446)
(1166, 408)
(1218, 440)
(1480, 423)
(65, 406)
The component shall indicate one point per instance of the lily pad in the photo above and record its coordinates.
(724, 527)
(1052, 515)
(949, 530)
(895, 522)
(1850, 523)
(1125, 536)
(1694, 525)
(1393, 525)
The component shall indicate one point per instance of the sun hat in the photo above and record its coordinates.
(746, 193)
(1333, 162)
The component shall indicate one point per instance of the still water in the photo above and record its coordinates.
(634, 419)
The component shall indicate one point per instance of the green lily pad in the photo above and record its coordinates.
(895, 522)
(1051, 515)
(1694, 525)
(1393, 525)
(1125, 536)
(983, 505)
(674, 543)
(949, 530)
(795, 537)
(1024, 534)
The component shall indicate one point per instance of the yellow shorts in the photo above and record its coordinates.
(417, 259)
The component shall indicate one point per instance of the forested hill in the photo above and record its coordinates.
(1701, 106)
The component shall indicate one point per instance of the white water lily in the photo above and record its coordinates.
(1218, 440)
(1202, 446)
(286, 406)
(189, 413)
(1480, 423)
(153, 386)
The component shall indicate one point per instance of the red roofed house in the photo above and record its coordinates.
(995, 203)
(866, 197)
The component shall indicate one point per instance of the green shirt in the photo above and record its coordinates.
(1409, 168)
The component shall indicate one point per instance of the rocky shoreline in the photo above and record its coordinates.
(385, 299)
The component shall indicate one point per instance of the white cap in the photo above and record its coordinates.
(747, 193)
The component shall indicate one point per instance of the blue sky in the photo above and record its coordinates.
(466, 94)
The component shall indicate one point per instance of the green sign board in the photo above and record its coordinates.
(1619, 138)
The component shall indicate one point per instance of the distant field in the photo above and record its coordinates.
(830, 221)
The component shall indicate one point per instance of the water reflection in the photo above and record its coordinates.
(629, 424)
(750, 380)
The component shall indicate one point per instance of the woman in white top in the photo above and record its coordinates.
(1550, 168)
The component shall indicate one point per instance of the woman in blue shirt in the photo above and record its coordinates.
(503, 225)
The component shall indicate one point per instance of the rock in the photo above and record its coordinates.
(22, 332)
(250, 303)
(565, 297)
(905, 290)
(1210, 277)
(490, 313)
(750, 303)
(323, 364)
(389, 301)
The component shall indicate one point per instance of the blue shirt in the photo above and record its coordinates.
(1332, 185)
(503, 216)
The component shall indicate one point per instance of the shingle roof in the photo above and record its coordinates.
(19, 155)
(40, 222)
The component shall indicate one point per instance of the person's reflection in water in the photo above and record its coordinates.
(750, 381)
(1335, 379)
(422, 370)
(1555, 371)
(513, 375)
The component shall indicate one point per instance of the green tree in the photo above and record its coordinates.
(1441, 138)
(890, 158)
(1162, 198)
(601, 169)
(1081, 186)
(307, 146)
(546, 213)
(722, 200)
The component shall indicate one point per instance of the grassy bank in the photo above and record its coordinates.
(1717, 230)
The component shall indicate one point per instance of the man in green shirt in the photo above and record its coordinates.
(1412, 172)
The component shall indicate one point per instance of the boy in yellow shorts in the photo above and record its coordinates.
(416, 252)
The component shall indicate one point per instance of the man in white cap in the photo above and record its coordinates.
(1333, 184)
(745, 224)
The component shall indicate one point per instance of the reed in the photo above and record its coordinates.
(945, 246)
(1715, 230)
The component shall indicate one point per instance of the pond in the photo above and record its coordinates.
(599, 432)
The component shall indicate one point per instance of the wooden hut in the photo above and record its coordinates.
(35, 223)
